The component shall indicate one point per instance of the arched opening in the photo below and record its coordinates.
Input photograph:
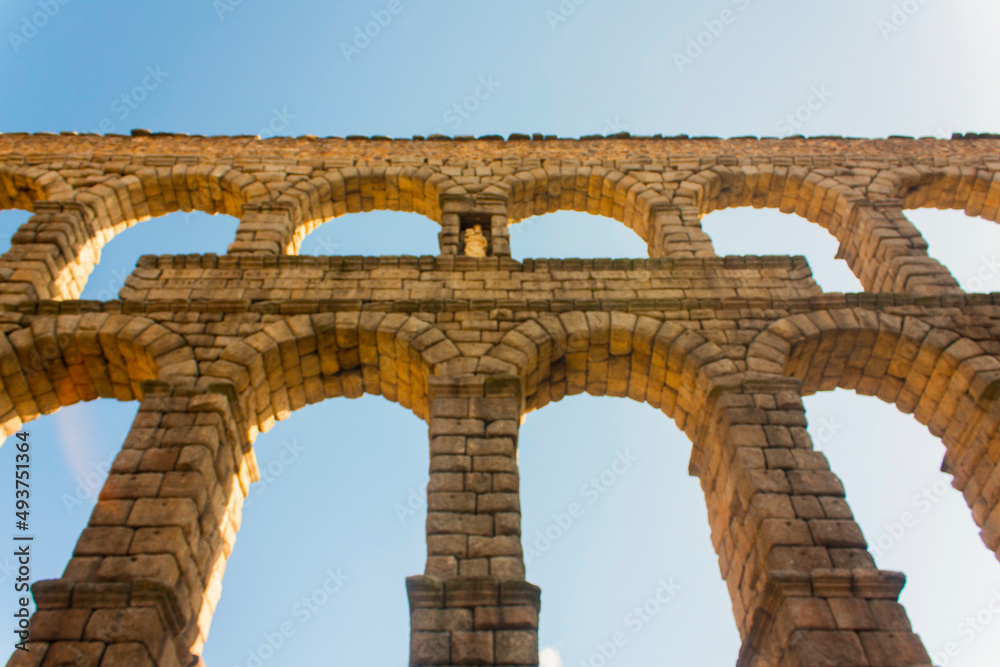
(566, 234)
(328, 536)
(914, 522)
(10, 220)
(748, 231)
(615, 533)
(930, 372)
(968, 247)
(71, 452)
(56, 370)
(374, 233)
(177, 233)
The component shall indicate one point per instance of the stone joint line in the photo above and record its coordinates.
(217, 348)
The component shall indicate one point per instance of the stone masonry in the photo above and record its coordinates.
(217, 347)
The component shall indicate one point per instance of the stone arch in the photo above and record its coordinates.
(22, 185)
(667, 365)
(974, 189)
(115, 205)
(150, 192)
(627, 196)
(810, 193)
(306, 358)
(635, 195)
(883, 249)
(329, 194)
(946, 380)
(412, 233)
(70, 231)
(730, 416)
(664, 206)
(630, 198)
(57, 360)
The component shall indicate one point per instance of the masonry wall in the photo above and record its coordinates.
(217, 348)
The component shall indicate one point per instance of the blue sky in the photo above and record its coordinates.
(349, 505)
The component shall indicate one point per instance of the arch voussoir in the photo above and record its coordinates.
(946, 380)
(751, 446)
(219, 348)
(57, 360)
(303, 359)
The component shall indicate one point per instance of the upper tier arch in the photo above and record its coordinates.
(659, 188)
(335, 192)
(22, 185)
(974, 189)
(76, 216)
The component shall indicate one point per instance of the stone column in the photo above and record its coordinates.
(472, 605)
(51, 255)
(805, 590)
(146, 573)
(888, 254)
(499, 235)
(448, 236)
(266, 228)
(675, 231)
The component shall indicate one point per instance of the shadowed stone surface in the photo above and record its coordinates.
(217, 348)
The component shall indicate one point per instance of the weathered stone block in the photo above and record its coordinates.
(472, 648)
(517, 647)
(58, 624)
(894, 648)
(821, 648)
(132, 654)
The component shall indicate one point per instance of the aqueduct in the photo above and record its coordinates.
(218, 347)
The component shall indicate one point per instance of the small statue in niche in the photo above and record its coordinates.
(475, 242)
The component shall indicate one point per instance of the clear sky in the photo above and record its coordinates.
(344, 484)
